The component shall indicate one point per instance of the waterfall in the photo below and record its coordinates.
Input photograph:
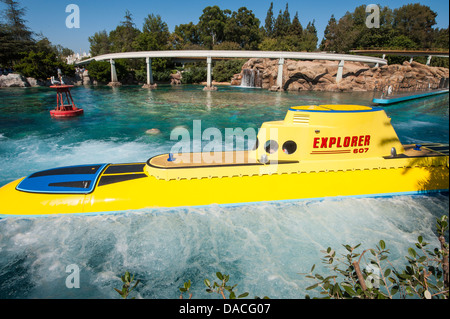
(251, 78)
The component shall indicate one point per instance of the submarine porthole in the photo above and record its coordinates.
(271, 146)
(289, 147)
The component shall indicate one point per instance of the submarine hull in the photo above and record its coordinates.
(147, 191)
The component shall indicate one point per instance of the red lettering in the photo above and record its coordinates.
(360, 142)
(316, 142)
(332, 141)
(346, 141)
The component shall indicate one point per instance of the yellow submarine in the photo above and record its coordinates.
(316, 152)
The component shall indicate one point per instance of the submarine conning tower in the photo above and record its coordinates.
(324, 132)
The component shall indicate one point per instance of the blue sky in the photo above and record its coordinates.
(49, 16)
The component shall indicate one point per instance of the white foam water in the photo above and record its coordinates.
(263, 246)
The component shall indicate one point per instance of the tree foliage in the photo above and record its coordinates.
(223, 71)
(408, 27)
(426, 275)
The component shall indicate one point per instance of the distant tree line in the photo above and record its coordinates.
(28, 53)
(410, 27)
(216, 29)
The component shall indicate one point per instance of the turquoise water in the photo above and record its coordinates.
(263, 246)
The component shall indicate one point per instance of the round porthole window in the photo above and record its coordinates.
(289, 147)
(271, 146)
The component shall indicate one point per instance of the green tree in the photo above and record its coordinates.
(155, 35)
(100, 43)
(376, 37)
(227, 45)
(43, 61)
(269, 22)
(223, 71)
(211, 25)
(185, 35)
(282, 23)
(310, 39)
(194, 74)
(243, 28)
(330, 35)
(416, 21)
(124, 35)
(16, 38)
(286, 19)
(279, 29)
(401, 42)
(101, 70)
(441, 38)
(296, 28)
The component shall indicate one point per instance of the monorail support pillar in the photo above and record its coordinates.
(340, 71)
(280, 73)
(114, 80)
(209, 86)
(150, 84)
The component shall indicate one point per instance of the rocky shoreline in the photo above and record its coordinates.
(18, 80)
(316, 75)
(320, 75)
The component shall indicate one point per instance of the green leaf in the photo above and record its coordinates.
(219, 275)
(312, 287)
(387, 272)
(349, 290)
(420, 239)
(207, 283)
(422, 259)
(312, 269)
(382, 244)
(412, 252)
(183, 289)
(232, 295)
(394, 290)
(245, 294)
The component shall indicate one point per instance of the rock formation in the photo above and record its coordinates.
(13, 80)
(320, 75)
(18, 80)
(175, 79)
